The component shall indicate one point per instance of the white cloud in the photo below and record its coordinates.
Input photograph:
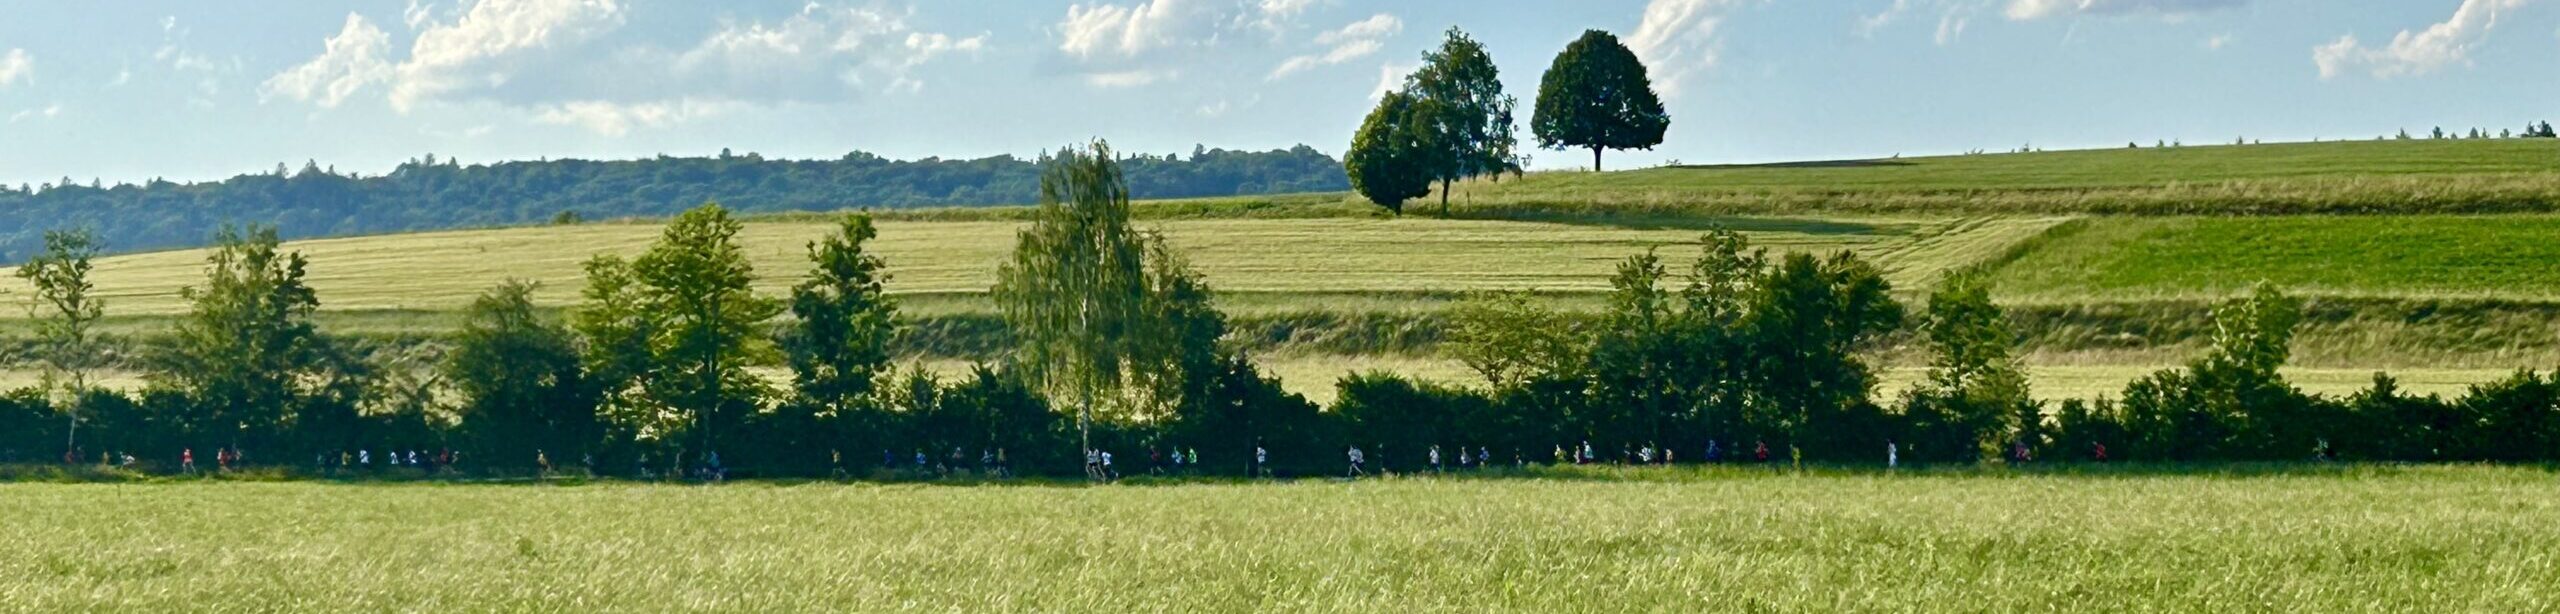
(1391, 78)
(1677, 38)
(615, 119)
(1870, 24)
(566, 62)
(817, 55)
(348, 62)
(123, 76)
(1276, 16)
(16, 65)
(2022, 10)
(2419, 52)
(1951, 26)
(1351, 42)
(489, 44)
(48, 112)
(1105, 31)
(2217, 42)
(1129, 78)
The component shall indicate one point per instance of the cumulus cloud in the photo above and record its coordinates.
(566, 62)
(492, 42)
(1150, 41)
(15, 66)
(348, 62)
(2414, 53)
(1108, 31)
(1678, 38)
(1351, 42)
(2023, 10)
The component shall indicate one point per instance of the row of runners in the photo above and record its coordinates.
(1099, 465)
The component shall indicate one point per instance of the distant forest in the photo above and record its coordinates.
(427, 193)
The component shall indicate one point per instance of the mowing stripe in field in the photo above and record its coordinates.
(443, 270)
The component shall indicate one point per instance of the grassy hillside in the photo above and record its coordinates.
(2339, 177)
(2509, 257)
(1323, 284)
(2384, 539)
(1262, 264)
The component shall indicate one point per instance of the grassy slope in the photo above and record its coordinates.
(2507, 257)
(1294, 263)
(2463, 297)
(2356, 539)
(2369, 177)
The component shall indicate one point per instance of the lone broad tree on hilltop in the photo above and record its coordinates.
(1598, 96)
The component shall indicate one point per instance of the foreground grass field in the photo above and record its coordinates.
(2342, 539)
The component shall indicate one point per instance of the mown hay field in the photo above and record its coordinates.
(1300, 264)
(2336, 539)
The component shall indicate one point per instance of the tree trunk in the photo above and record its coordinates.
(1595, 158)
(1444, 198)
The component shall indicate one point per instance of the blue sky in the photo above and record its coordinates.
(195, 89)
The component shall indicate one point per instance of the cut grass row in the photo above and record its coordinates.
(2352, 539)
(1260, 261)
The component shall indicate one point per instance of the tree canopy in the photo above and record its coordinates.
(1394, 155)
(1597, 96)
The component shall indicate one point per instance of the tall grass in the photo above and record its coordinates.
(2345, 540)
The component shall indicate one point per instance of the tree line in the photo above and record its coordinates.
(433, 193)
(671, 360)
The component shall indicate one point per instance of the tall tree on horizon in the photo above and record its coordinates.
(1472, 118)
(1597, 95)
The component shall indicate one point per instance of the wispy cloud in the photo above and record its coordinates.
(1351, 42)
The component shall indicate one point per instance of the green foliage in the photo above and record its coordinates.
(1105, 314)
(672, 333)
(2232, 402)
(1975, 403)
(66, 310)
(1074, 293)
(1596, 95)
(1396, 153)
(1511, 339)
(1460, 90)
(521, 384)
(839, 343)
(1806, 323)
(1179, 339)
(433, 193)
(1242, 409)
(247, 355)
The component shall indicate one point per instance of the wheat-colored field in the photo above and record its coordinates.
(1320, 258)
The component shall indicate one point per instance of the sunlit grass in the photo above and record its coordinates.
(2343, 539)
